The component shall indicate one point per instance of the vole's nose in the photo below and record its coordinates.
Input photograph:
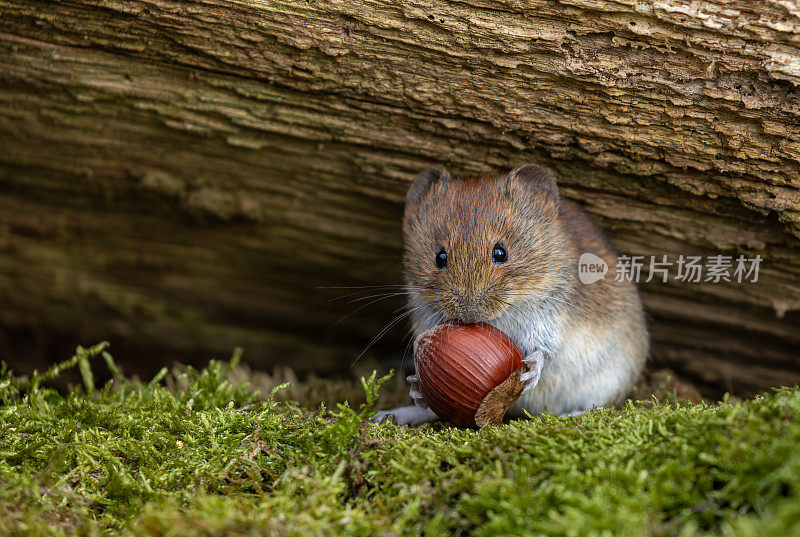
(469, 307)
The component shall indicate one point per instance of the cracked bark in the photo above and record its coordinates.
(182, 176)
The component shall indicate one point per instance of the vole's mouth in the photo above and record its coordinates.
(469, 310)
(472, 318)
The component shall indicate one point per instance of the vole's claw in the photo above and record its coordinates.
(385, 417)
(415, 393)
(533, 364)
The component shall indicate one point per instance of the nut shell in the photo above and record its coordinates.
(459, 364)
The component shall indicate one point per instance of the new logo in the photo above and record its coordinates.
(591, 268)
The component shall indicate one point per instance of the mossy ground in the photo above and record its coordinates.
(193, 454)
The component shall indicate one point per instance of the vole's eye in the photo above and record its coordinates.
(499, 254)
(441, 259)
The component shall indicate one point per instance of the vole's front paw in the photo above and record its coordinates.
(415, 392)
(533, 364)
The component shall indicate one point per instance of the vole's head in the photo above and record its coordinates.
(475, 247)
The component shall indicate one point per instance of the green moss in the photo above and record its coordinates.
(196, 455)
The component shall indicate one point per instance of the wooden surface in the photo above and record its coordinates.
(181, 177)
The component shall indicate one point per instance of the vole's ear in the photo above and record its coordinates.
(537, 180)
(424, 182)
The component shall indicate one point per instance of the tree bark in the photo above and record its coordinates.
(182, 176)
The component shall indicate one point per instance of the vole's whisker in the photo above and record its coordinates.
(383, 331)
(361, 287)
(521, 318)
(415, 333)
(570, 303)
(390, 289)
(556, 299)
(381, 296)
(361, 307)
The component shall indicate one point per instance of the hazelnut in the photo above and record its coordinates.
(459, 364)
